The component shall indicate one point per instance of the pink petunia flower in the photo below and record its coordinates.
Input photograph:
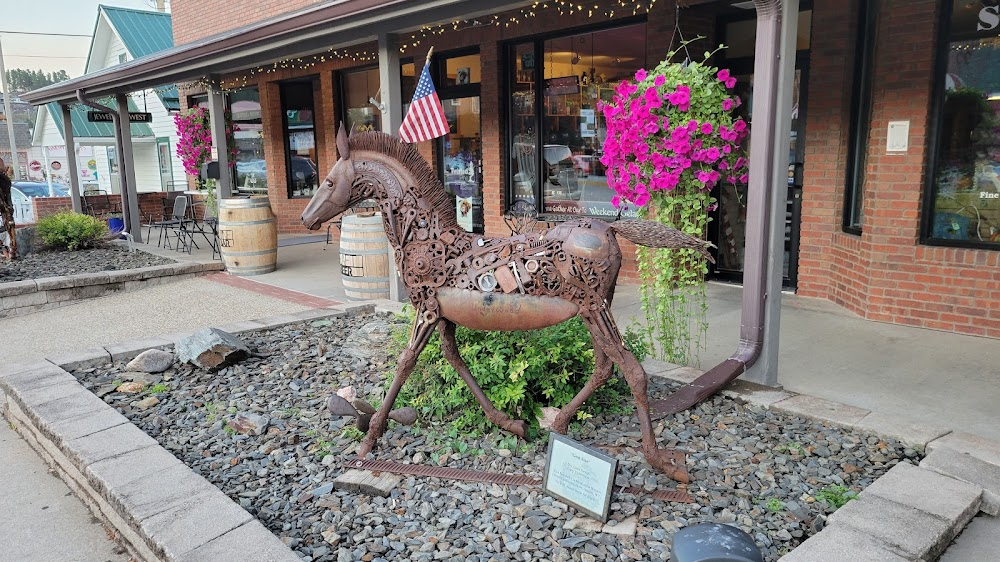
(640, 75)
(723, 75)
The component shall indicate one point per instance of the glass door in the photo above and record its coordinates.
(462, 154)
(116, 186)
(166, 168)
(728, 230)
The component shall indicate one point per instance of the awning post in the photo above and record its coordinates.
(779, 55)
(392, 118)
(217, 118)
(126, 162)
(71, 159)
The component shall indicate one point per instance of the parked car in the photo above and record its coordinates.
(40, 189)
(302, 168)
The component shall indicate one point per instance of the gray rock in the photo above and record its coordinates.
(212, 349)
(249, 424)
(151, 361)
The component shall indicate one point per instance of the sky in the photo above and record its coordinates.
(50, 53)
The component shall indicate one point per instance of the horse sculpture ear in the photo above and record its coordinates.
(343, 148)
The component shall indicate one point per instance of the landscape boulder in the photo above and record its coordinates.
(151, 361)
(212, 349)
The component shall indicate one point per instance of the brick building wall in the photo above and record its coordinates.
(885, 274)
(196, 19)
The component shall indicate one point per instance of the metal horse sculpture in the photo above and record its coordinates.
(522, 282)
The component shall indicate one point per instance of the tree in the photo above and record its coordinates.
(20, 80)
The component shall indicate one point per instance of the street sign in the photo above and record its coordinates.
(105, 117)
(35, 166)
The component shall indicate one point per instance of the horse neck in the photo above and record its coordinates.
(394, 188)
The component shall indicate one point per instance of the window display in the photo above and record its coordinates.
(300, 138)
(360, 87)
(251, 169)
(561, 101)
(965, 202)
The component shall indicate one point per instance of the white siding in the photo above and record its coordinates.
(147, 167)
(50, 133)
(114, 49)
(103, 174)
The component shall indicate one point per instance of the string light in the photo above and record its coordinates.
(537, 9)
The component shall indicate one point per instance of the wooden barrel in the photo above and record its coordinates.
(248, 235)
(364, 257)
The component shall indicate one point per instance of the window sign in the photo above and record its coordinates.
(965, 196)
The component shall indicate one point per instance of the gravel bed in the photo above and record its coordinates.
(750, 467)
(93, 260)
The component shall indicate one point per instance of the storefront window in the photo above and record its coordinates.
(251, 169)
(965, 198)
(300, 138)
(561, 102)
(359, 87)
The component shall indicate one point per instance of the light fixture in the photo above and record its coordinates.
(995, 96)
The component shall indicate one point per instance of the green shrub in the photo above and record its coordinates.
(71, 231)
(520, 372)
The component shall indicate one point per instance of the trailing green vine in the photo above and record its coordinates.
(672, 137)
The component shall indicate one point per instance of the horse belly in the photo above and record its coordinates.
(505, 312)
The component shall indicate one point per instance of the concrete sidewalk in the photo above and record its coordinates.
(41, 519)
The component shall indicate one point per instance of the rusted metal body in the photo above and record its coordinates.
(466, 475)
(525, 281)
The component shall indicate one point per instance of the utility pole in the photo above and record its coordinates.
(9, 116)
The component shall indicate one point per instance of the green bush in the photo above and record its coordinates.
(71, 231)
(520, 372)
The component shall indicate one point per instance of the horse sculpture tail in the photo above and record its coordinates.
(655, 235)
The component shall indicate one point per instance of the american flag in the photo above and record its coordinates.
(425, 119)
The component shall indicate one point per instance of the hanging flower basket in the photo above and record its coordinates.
(673, 136)
(194, 139)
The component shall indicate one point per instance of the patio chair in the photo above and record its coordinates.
(177, 219)
(98, 204)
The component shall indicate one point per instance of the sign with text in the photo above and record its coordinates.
(105, 117)
(580, 476)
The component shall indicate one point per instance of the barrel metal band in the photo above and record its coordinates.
(375, 465)
(360, 252)
(223, 223)
(252, 253)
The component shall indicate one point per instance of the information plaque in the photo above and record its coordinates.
(580, 476)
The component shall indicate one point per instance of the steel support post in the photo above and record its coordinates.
(765, 370)
(392, 118)
(71, 159)
(217, 116)
(126, 163)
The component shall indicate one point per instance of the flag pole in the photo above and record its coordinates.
(429, 53)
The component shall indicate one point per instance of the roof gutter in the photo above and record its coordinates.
(760, 192)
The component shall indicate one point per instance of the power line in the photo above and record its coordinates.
(40, 33)
(42, 56)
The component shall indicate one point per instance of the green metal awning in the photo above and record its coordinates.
(82, 127)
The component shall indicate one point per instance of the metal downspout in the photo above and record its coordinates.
(762, 147)
(116, 125)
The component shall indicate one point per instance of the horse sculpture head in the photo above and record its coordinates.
(335, 195)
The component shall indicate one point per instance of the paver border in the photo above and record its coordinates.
(18, 298)
(159, 507)
(104, 459)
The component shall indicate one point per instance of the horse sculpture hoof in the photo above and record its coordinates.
(670, 462)
(519, 428)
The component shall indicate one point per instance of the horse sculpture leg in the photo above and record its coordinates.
(608, 337)
(449, 347)
(404, 366)
(602, 372)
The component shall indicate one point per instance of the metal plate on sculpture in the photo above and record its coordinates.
(580, 476)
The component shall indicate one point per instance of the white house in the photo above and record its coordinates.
(120, 35)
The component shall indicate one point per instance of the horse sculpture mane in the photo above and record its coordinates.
(426, 183)
(522, 282)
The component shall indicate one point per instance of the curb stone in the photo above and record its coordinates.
(969, 468)
(161, 509)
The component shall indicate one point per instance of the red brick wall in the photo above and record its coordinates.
(195, 19)
(45, 206)
(884, 274)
